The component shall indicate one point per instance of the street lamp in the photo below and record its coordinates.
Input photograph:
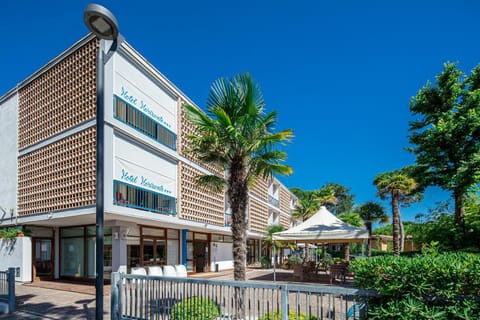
(103, 24)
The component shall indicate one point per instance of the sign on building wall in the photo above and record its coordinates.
(136, 89)
(138, 167)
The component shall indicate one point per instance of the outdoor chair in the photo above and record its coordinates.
(155, 271)
(123, 269)
(357, 311)
(337, 272)
(298, 272)
(169, 271)
(181, 270)
(139, 271)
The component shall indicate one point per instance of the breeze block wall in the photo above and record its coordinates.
(56, 101)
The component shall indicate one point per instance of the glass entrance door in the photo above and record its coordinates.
(201, 256)
(154, 251)
(43, 262)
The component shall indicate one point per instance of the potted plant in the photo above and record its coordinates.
(11, 234)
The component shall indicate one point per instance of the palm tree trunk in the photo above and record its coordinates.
(368, 224)
(395, 224)
(346, 251)
(402, 233)
(238, 196)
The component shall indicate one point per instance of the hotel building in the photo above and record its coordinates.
(154, 211)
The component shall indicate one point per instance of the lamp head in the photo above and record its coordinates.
(101, 22)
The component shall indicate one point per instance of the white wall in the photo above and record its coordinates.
(222, 254)
(17, 254)
(8, 159)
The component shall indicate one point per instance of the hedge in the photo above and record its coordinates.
(429, 286)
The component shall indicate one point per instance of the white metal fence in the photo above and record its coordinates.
(147, 297)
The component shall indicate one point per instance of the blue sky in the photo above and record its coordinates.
(339, 73)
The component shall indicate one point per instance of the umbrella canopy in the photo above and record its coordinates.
(322, 227)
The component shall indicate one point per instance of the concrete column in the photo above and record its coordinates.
(119, 247)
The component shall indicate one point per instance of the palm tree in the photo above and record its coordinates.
(305, 208)
(269, 244)
(236, 135)
(397, 186)
(325, 196)
(371, 212)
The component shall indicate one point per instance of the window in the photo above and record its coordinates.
(135, 197)
(143, 123)
(273, 218)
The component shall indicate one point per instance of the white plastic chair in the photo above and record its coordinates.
(155, 271)
(139, 271)
(169, 271)
(181, 270)
(123, 269)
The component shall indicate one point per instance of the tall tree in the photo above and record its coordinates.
(325, 196)
(306, 207)
(236, 134)
(344, 199)
(445, 135)
(371, 212)
(269, 244)
(396, 186)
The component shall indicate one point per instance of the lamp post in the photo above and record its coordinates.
(103, 24)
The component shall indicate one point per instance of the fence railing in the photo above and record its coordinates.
(147, 297)
(7, 288)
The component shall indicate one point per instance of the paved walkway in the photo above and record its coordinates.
(62, 300)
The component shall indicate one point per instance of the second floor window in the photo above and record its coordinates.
(143, 123)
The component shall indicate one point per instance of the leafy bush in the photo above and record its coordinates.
(196, 308)
(292, 315)
(295, 259)
(265, 262)
(429, 286)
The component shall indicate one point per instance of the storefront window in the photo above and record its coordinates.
(77, 241)
(172, 257)
(72, 250)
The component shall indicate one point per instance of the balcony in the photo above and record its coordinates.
(273, 201)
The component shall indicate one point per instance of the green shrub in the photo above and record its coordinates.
(292, 315)
(295, 259)
(265, 262)
(196, 308)
(428, 286)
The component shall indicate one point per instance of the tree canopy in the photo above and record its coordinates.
(236, 135)
(445, 136)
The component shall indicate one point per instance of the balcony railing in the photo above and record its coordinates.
(151, 297)
(273, 201)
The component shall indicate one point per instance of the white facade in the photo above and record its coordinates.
(8, 158)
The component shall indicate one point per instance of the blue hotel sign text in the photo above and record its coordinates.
(144, 182)
(130, 98)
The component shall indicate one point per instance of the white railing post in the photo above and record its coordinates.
(114, 312)
(284, 302)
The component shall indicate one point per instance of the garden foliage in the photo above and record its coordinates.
(292, 315)
(196, 308)
(427, 286)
